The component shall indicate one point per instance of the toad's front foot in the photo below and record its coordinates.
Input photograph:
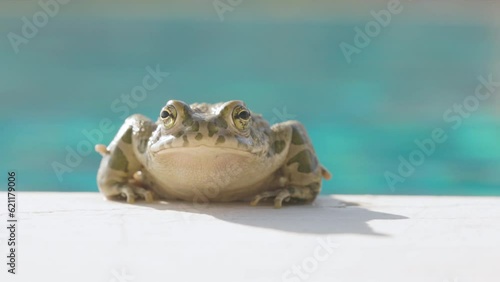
(303, 194)
(132, 192)
(279, 195)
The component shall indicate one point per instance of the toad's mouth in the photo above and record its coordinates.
(202, 149)
(184, 145)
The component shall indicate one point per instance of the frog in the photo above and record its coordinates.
(204, 153)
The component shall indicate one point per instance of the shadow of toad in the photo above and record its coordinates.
(326, 215)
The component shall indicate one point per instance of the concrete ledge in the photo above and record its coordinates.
(81, 237)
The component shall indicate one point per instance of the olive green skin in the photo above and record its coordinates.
(210, 153)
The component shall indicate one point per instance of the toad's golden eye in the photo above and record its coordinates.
(241, 117)
(168, 115)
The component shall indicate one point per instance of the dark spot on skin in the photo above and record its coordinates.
(220, 122)
(195, 127)
(212, 129)
(127, 137)
(220, 140)
(198, 136)
(297, 137)
(179, 134)
(307, 161)
(142, 145)
(186, 141)
(118, 160)
(279, 146)
(188, 121)
(315, 187)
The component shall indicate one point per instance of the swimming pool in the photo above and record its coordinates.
(366, 117)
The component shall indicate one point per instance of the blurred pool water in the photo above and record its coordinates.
(363, 117)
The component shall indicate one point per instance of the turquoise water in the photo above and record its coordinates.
(361, 116)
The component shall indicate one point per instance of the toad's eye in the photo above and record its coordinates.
(241, 117)
(168, 116)
(244, 115)
(165, 114)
